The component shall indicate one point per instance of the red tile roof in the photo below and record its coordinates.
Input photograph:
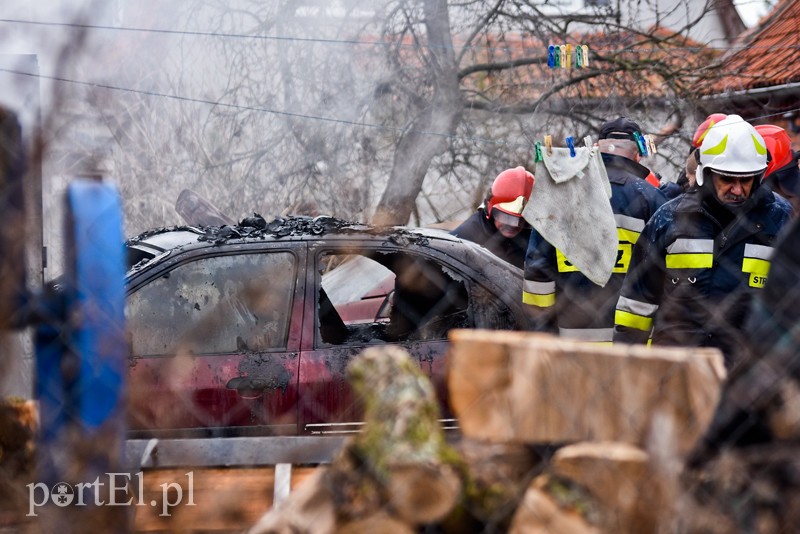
(622, 65)
(768, 56)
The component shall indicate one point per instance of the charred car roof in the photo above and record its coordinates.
(157, 244)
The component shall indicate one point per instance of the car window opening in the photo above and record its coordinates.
(388, 298)
(215, 305)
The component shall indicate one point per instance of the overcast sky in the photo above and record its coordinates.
(751, 11)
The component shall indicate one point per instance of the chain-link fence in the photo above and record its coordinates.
(234, 351)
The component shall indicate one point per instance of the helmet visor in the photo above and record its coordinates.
(515, 221)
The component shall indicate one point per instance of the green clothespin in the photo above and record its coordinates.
(537, 156)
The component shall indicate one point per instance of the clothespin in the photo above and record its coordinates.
(585, 54)
(563, 49)
(548, 144)
(556, 56)
(640, 144)
(578, 57)
(569, 55)
(651, 144)
(571, 146)
(537, 155)
(588, 142)
(551, 56)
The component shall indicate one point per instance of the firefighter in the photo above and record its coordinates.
(783, 173)
(498, 224)
(702, 256)
(559, 297)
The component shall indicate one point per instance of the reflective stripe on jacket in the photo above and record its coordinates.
(554, 288)
(691, 280)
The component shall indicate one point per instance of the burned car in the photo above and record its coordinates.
(248, 330)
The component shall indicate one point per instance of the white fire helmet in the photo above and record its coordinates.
(732, 147)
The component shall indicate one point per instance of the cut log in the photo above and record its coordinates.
(500, 473)
(420, 494)
(380, 522)
(398, 471)
(401, 449)
(618, 475)
(540, 514)
(537, 388)
(613, 472)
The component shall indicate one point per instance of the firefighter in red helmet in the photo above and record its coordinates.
(498, 224)
(783, 173)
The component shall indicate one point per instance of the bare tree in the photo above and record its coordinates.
(382, 110)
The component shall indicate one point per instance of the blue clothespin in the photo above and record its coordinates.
(571, 145)
(640, 144)
(537, 155)
(551, 56)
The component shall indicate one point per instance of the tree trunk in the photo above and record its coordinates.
(427, 137)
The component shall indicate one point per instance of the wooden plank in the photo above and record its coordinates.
(224, 499)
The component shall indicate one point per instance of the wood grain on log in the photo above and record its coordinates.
(537, 388)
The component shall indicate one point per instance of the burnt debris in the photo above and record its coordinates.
(256, 227)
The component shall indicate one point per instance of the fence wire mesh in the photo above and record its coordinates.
(247, 332)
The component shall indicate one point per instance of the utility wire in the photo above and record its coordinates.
(477, 140)
(378, 43)
(240, 107)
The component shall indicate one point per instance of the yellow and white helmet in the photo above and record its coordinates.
(732, 147)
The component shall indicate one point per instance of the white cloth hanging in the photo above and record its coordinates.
(570, 208)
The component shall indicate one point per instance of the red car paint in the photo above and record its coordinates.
(219, 382)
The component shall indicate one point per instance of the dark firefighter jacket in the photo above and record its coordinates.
(563, 298)
(695, 269)
(482, 231)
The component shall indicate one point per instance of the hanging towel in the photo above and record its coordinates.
(569, 207)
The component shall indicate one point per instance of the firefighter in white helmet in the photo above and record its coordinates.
(702, 256)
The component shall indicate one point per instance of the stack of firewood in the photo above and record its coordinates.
(556, 436)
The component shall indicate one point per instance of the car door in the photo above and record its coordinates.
(214, 339)
(425, 301)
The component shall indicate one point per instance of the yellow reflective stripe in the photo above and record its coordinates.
(564, 265)
(761, 149)
(542, 301)
(755, 266)
(689, 261)
(717, 149)
(624, 253)
(632, 320)
(627, 235)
